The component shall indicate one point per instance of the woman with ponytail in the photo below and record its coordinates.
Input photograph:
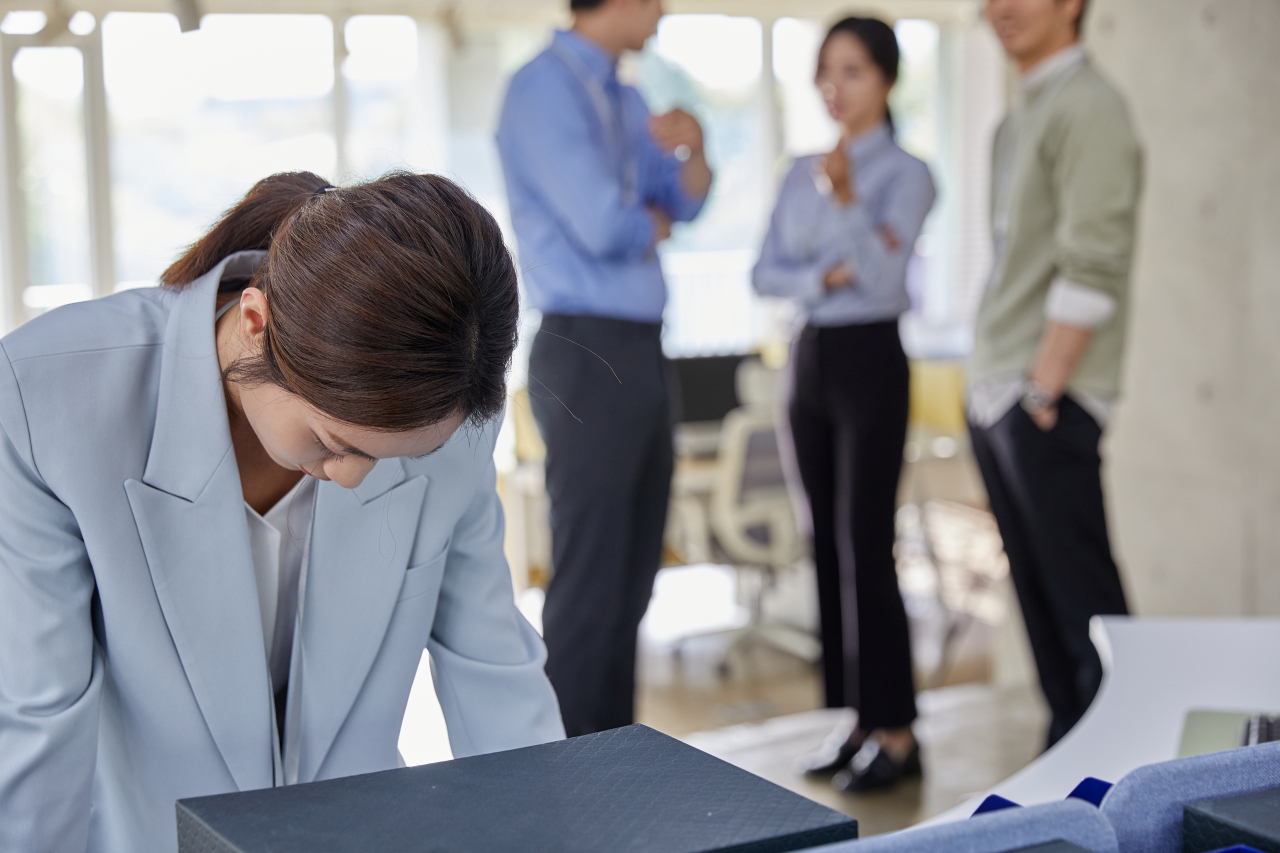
(842, 232)
(236, 508)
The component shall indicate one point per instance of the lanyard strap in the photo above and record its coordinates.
(615, 129)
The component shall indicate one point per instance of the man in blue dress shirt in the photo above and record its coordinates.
(594, 184)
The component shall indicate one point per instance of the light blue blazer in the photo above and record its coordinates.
(132, 662)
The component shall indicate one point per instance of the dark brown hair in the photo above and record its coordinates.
(392, 304)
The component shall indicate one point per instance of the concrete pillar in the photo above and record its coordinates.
(1193, 458)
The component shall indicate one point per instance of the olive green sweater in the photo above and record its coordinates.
(1074, 168)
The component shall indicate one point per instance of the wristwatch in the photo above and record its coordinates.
(1035, 399)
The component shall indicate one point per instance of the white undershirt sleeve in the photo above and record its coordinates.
(1076, 305)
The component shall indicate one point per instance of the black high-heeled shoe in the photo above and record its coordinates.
(835, 752)
(874, 769)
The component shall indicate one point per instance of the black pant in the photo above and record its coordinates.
(1045, 489)
(848, 414)
(598, 391)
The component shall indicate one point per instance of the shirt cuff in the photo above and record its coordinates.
(687, 207)
(816, 287)
(1076, 305)
(642, 239)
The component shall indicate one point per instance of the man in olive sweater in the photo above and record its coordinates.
(1045, 369)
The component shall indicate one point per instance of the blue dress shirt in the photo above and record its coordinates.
(580, 168)
(811, 232)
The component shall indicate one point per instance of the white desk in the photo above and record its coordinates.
(1155, 670)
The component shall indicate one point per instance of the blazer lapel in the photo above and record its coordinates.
(360, 545)
(189, 511)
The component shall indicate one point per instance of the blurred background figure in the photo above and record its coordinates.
(594, 185)
(841, 236)
(1045, 367)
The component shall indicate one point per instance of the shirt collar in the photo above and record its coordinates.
(1051, 66)
(597, 61)
(869, 142)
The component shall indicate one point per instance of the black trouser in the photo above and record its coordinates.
(848, 413)
(598, 390)
(1045, 489)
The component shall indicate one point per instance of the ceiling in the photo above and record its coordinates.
(490, 12)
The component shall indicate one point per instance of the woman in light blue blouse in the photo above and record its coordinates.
(838, 244)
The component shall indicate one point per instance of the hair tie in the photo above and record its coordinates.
(324, 189)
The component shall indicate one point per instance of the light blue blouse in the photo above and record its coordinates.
(811, 232)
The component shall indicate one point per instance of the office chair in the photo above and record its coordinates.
(750, 514)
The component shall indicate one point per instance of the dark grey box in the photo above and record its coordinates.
(630, 789)
(1249, 819)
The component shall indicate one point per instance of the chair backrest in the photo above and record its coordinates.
(996, 832)
(706, 386)
(1145, 807)
(750, 510)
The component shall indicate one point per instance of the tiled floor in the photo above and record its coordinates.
(763, 714)
(760, 708)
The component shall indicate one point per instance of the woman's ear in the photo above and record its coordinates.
(253, 317)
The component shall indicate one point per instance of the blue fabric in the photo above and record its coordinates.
(585, 246)
(1145, 807)
(1091, 790)
(811, 233)
(1009, 829)
(994, 803)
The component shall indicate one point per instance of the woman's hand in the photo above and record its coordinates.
(839, 172)
(838, 277)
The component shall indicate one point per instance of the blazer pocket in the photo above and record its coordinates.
(423, 577)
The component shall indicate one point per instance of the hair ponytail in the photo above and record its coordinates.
(250, 224)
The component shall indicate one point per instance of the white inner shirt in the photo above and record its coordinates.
(278, 543)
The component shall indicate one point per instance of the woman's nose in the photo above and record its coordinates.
(350, 472)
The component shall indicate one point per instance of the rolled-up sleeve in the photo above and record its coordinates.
(547, 143)
(486, 660)
(1076, 305)
(1097, 177)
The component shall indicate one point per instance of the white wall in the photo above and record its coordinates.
(1194, 457)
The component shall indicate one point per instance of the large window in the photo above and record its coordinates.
(52, 177)
(387, 122)
(198, 117)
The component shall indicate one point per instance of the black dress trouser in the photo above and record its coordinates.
(1045, 489)
(848, 416)
(598, 390)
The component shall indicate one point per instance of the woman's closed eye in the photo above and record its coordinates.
(326, 453)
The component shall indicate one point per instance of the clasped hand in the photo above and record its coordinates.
(676, 130)
(679, 133)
